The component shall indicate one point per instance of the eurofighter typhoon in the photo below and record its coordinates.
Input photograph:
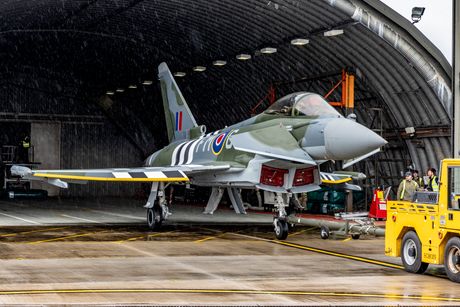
(278, 150)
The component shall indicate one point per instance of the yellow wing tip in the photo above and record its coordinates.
(336, 181)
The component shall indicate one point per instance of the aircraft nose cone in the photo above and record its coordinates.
(346, 139)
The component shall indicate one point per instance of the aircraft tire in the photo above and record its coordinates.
(411, 254)
(324, 232)
(154, 218)
(452, 259)
(281, 229)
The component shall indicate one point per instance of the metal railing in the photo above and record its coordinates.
(9, 154)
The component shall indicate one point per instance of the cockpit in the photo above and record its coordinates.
(303, 104)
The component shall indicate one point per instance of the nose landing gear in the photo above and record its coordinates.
(281, 227)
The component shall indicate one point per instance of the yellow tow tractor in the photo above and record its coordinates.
(427, 230)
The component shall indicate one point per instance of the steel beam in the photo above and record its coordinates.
(455, 79)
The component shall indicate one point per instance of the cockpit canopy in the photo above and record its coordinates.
(303, 104)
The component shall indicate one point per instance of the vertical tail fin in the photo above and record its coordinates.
(178, 117)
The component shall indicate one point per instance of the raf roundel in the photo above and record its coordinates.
(218, 143)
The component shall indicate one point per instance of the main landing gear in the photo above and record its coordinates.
(157, 211)
(154, 217)
(281, 227)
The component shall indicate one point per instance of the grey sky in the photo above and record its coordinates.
(436, 22)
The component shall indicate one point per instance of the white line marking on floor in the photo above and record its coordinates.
(120, 215)
(21, 219)
(184, 266)
(82, 219)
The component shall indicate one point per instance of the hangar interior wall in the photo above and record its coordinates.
(98, 146)
(47, 149)
(69, 133)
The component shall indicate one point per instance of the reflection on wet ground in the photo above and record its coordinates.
(106, 255)
(126, 233)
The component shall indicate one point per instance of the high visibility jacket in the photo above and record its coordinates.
(419, 181)
(25, 144)
(433, 185)
(406, 190)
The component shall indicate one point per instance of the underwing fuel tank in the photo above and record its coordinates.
(339, 139)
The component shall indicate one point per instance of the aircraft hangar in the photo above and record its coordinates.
(80, 79)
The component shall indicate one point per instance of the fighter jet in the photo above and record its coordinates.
(279, 150)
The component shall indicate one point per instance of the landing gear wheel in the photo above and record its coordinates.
(281, 229)
(355, 236)
(452, 259)
(411, 254)
(324, 232)
(154, 218)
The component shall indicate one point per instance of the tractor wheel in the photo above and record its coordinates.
(411, 254)
(452, 259)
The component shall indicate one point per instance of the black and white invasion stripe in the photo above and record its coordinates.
(148, 174)
(326, 176)
(183, 153)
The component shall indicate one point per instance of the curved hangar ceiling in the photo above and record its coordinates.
(87, 48)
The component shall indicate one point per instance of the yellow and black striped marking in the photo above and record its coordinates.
(341, 255)
(238, 291)
(325, 252)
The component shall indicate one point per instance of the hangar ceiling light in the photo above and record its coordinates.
(147, 82)
(219, 63)
(199, 68)
(243, 56)
(132, 86)
(333, 32)
(179, 74)
(410, 130)
(120, 90)
(110, 92)
(299, 41)
(417, 13)
(268, 50)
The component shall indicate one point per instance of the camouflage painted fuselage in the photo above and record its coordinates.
(278, 150)
(216, 148)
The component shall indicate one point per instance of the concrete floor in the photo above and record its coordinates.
(109, 211)
(100, 252)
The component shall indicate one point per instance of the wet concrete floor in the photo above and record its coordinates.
(104, 254)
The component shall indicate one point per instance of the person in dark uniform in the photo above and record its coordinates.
(417, 178)
(23, 150)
